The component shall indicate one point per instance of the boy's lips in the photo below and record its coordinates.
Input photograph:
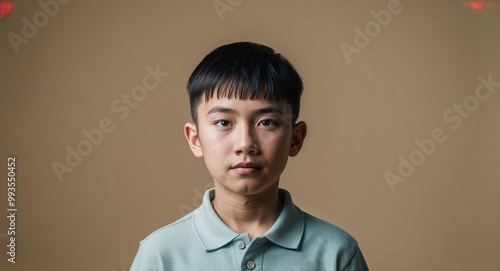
(246, 167)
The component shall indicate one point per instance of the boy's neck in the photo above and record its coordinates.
(254, 214)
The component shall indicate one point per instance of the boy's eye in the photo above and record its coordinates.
(268, 123)
(222, 123)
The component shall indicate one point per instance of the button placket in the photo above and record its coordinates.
(253, 254)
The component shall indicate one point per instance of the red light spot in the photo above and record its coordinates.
(475, 5)
(5, 8)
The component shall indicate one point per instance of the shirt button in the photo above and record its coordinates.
(250, 265)
(240, 244)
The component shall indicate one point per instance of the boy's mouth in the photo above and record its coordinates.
(246, 168)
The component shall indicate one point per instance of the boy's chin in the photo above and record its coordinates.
(248, 186)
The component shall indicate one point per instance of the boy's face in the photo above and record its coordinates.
(245, 143)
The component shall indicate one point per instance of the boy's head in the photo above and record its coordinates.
(245, 102)
(245, 70)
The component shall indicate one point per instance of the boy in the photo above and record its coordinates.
(245, 101)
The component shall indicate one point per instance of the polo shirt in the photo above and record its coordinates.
(201, 241)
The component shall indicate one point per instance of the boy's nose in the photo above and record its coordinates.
(246, 142)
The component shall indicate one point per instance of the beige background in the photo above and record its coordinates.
(362, 116)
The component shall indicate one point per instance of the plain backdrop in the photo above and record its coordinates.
(366, 106)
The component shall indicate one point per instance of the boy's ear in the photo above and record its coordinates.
(191, 134)
(298, 136)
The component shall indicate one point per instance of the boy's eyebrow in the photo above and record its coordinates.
(260, 111)
(220, 109)
(267, 109)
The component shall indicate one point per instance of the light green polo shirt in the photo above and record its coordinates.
(201, 241)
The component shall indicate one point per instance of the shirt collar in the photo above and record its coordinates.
(287, 231)
(210, 228)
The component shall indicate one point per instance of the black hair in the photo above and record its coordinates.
(245, 70)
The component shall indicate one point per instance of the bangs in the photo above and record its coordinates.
(243, 89)
(245, 71)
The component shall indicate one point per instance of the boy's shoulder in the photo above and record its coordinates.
(322, 226)
(179, 228)
(315, 230)
(327, 235)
